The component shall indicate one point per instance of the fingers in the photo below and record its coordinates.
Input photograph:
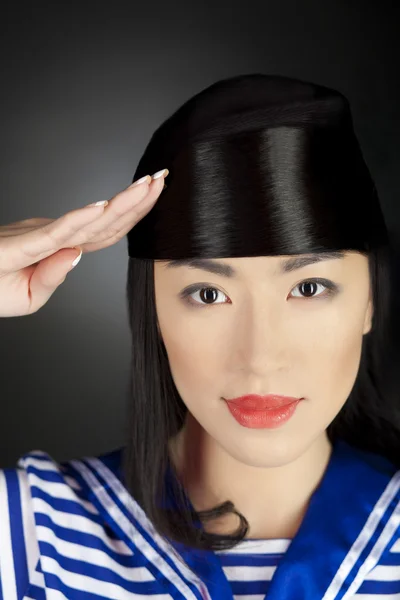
(38, 243)
(45, 278)
(118, 228)
(117, 221)
(79, 227)
(23, 226)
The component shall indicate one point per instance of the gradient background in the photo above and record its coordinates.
(83, 88)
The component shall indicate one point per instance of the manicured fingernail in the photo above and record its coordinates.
(78, 258)
(142, 180)
(99, 203)
(160, 174)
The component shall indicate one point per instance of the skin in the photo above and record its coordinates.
(261, 334)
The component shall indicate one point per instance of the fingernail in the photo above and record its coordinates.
(78, 258)
(142, 180)
(99, 203)
(160, 174)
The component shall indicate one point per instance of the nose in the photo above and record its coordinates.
(261, 342)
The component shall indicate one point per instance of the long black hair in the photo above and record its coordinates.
(259, 165)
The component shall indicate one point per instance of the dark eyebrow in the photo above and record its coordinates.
(286, 266)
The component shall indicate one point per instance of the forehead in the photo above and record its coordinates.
(232, 267)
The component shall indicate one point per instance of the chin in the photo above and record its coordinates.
(265, 453)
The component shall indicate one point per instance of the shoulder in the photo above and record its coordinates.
(19, 551)
(41, 499)
(70, 479)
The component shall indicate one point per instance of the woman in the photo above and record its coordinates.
(258, 293)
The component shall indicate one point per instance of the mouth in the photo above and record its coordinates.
(262, 412)
(257, 402)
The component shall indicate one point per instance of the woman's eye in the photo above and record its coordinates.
(309, 288)
(202, 295)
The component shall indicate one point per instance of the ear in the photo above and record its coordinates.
(368, 316)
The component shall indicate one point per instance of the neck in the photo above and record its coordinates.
(274, 499)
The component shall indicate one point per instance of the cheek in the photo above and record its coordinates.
(336, 360)
(196, 358)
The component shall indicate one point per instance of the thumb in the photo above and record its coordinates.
(50, 273)
(76, 259)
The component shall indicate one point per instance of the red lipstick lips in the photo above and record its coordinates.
(260, 412)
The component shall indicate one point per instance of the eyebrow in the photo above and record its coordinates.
(286, 266)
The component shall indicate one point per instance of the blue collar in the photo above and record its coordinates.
(341, 530)
(351, 518)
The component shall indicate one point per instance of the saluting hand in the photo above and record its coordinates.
(37, 254)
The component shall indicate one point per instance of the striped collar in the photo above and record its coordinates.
(352, 517)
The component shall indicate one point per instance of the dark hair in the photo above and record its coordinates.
(260, 153)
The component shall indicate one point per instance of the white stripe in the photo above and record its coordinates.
(246, 573)
(54, 595)
(258, 547)
(384, 573)
(93, 556)
(36, 452)
(7, 572)
(396, 546)
(127, 526)
(50, 595)
(83, 583)
(40, 464)
(57, 489)
(61, 491)
(37, 579)
(53, 467)
(364, 537)
(79, 523)
(28, 523)
(373, 597)
(247, 597)
(380, 544)
(72, 482)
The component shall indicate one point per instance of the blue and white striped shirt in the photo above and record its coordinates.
(71, 530)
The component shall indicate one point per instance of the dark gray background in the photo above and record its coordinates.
(83, 88)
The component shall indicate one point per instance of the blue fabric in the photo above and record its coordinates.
(344, 531)
(336, 519)
(93, 541)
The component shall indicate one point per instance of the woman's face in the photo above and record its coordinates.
(264, 328)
